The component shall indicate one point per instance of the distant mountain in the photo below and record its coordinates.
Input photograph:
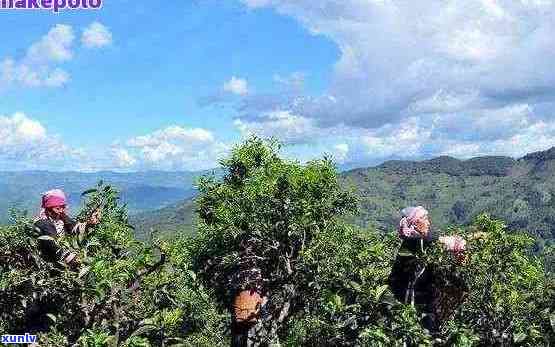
(175, 218)
(142, 191)
(519, 191)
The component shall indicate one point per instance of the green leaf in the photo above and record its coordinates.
(81, 237)
(111, 341)
(51, 317)
(355, 285)
(144, 329)
(337, 300)
(192, 274)
(147, 321)
(89, 191)
(519, 337)
(379, 291)
(84, 271)
(405, 254)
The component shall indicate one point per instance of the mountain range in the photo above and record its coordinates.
(518, 191)
(141, 191)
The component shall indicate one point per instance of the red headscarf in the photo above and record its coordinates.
(51, 198)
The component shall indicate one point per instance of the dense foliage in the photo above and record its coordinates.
(520, 192)
(325, 279)
(510, 294)
(271, 211)
(123, 292)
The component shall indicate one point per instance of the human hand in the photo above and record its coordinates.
(455, 243)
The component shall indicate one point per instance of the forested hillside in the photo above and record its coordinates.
(520, 192)
(176, 218)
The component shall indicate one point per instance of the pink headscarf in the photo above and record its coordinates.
(411, 215)
(52, 198)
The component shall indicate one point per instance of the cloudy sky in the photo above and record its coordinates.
(174, 85)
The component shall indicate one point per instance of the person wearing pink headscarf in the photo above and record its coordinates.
(415, 224)
(54, 222)
(411, 280)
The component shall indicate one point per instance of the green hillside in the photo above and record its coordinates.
(518, 191)
(171, 219)
(455, 191)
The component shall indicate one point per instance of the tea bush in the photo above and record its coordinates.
(325, 280)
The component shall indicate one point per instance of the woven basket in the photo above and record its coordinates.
(246, 306)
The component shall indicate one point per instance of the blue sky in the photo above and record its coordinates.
(134, 86)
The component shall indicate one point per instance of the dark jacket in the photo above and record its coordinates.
(412, 279)
(409, 268)
(436, 294)
(49, 248)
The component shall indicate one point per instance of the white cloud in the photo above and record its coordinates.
(444, 101)
(238, 86)
(405, 140)
(122, 158)
(467, 76)
(56, 78)
(96, 35)
(173, 148)
(511, 130)
(287, 127)
(294, 82)
(36, 68)
(482, 124)
(40, 66)
(55, 46)
(19, 129)
(515, 134)
(341, 151)
(26, 144)
(392, 58)
(173, 133)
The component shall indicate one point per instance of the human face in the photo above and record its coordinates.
(423, 225)
(58, 211)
